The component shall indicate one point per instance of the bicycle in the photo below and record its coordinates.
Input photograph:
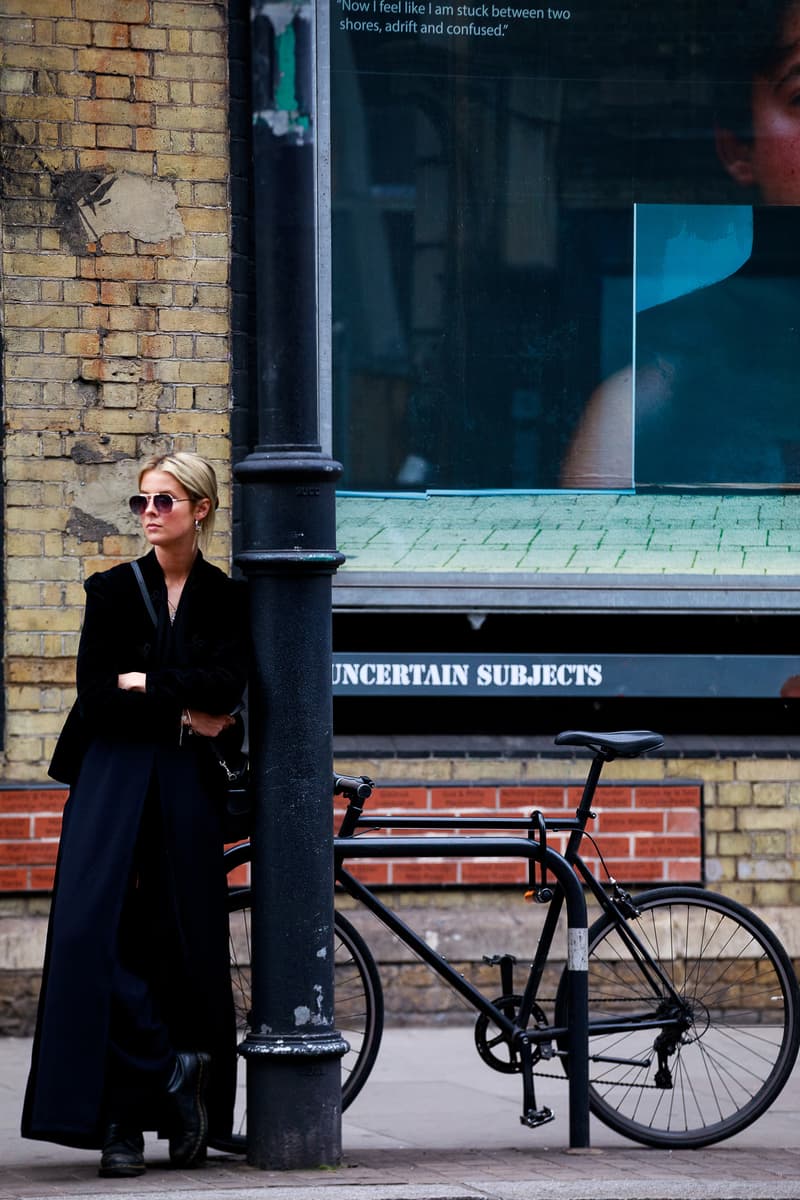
(694, 1007)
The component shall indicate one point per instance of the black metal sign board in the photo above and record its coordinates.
(669, 675)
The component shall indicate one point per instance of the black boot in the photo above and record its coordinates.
(123, 1152)
(188, 1122)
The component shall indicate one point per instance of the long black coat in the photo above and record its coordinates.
(130, 743)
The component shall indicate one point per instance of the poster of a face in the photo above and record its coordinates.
(564, 244)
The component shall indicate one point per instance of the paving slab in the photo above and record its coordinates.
(433, 1123)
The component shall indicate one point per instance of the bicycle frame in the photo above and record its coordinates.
(576, 1031)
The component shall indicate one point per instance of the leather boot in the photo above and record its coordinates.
(188, 1121)
(123, 1152)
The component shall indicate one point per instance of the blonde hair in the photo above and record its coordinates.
(196, 476)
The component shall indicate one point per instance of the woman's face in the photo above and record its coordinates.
(174, 529)
(775, 148)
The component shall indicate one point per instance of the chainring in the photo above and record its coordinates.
(488, 1036)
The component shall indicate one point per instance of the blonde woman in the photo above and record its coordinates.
(135, 1028)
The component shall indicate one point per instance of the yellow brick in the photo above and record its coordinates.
(194, 423)
(209, 348)
(141, 319)
(190, 116)
(107, 61)
(192, 166)
(22, 697)
(179, 41)
(120, 345)
(47, 619)
(211, 398)
(39, 108)
(155, 91)
(135, 12)
(73, 33)
(116, 160)
(209, 270)
(770, 769)
(23, 543)
(113, 87)
(769, 819)
(205, 220)
(733, 844)
(63, 266)
(207, 43)
(23, 342)
(120, 395)
(20, 519)
(153, 139)
(734, 795)
(83, 344)
(119, 421)
(112, 34)
(187, 15)
(211, 95)
(180, 91)
(143, 38)
(119, 137)
(23, 750)
(39, 58)
(770, 794)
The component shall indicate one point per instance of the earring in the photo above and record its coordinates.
(197, 525)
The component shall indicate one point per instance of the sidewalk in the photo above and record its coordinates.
(433, 1123)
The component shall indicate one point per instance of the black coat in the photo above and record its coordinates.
(129, 744)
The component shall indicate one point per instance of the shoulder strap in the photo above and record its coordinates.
(148, 603)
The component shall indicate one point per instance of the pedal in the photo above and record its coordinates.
(534, 1117)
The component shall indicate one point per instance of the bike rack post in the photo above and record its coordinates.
(577, 936)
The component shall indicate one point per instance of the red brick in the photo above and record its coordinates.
(47, 827)
(612, 796)
(630, 822)
(668, 847)
(370, 872)
(631, 871)
(679, 821)
(487, 871)
(532, 797)
(39, 801)
(27, 853)
(14, 879)
(399, 797)
(684, 872)
(425, 872)
(15, 827)
(464, 797)
(675, 796)
(42, 879)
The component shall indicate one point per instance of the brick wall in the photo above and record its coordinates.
(115, 316)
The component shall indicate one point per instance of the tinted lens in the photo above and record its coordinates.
(162, 503)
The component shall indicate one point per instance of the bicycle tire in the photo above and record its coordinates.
(358, 1005)
(741, 995)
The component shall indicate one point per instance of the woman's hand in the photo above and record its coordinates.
(207, 724)
(132, 681)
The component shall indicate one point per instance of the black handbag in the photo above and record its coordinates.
(228, 751)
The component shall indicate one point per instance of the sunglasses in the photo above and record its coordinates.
(162, 503)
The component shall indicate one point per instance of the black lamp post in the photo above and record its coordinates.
(288, 535)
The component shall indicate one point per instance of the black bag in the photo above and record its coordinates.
(230, 752)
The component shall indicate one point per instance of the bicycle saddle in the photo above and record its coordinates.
(625, 744)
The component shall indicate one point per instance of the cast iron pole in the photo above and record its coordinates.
(288, 516)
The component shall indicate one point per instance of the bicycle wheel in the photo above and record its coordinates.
(734, 1030)
(358, 1005)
